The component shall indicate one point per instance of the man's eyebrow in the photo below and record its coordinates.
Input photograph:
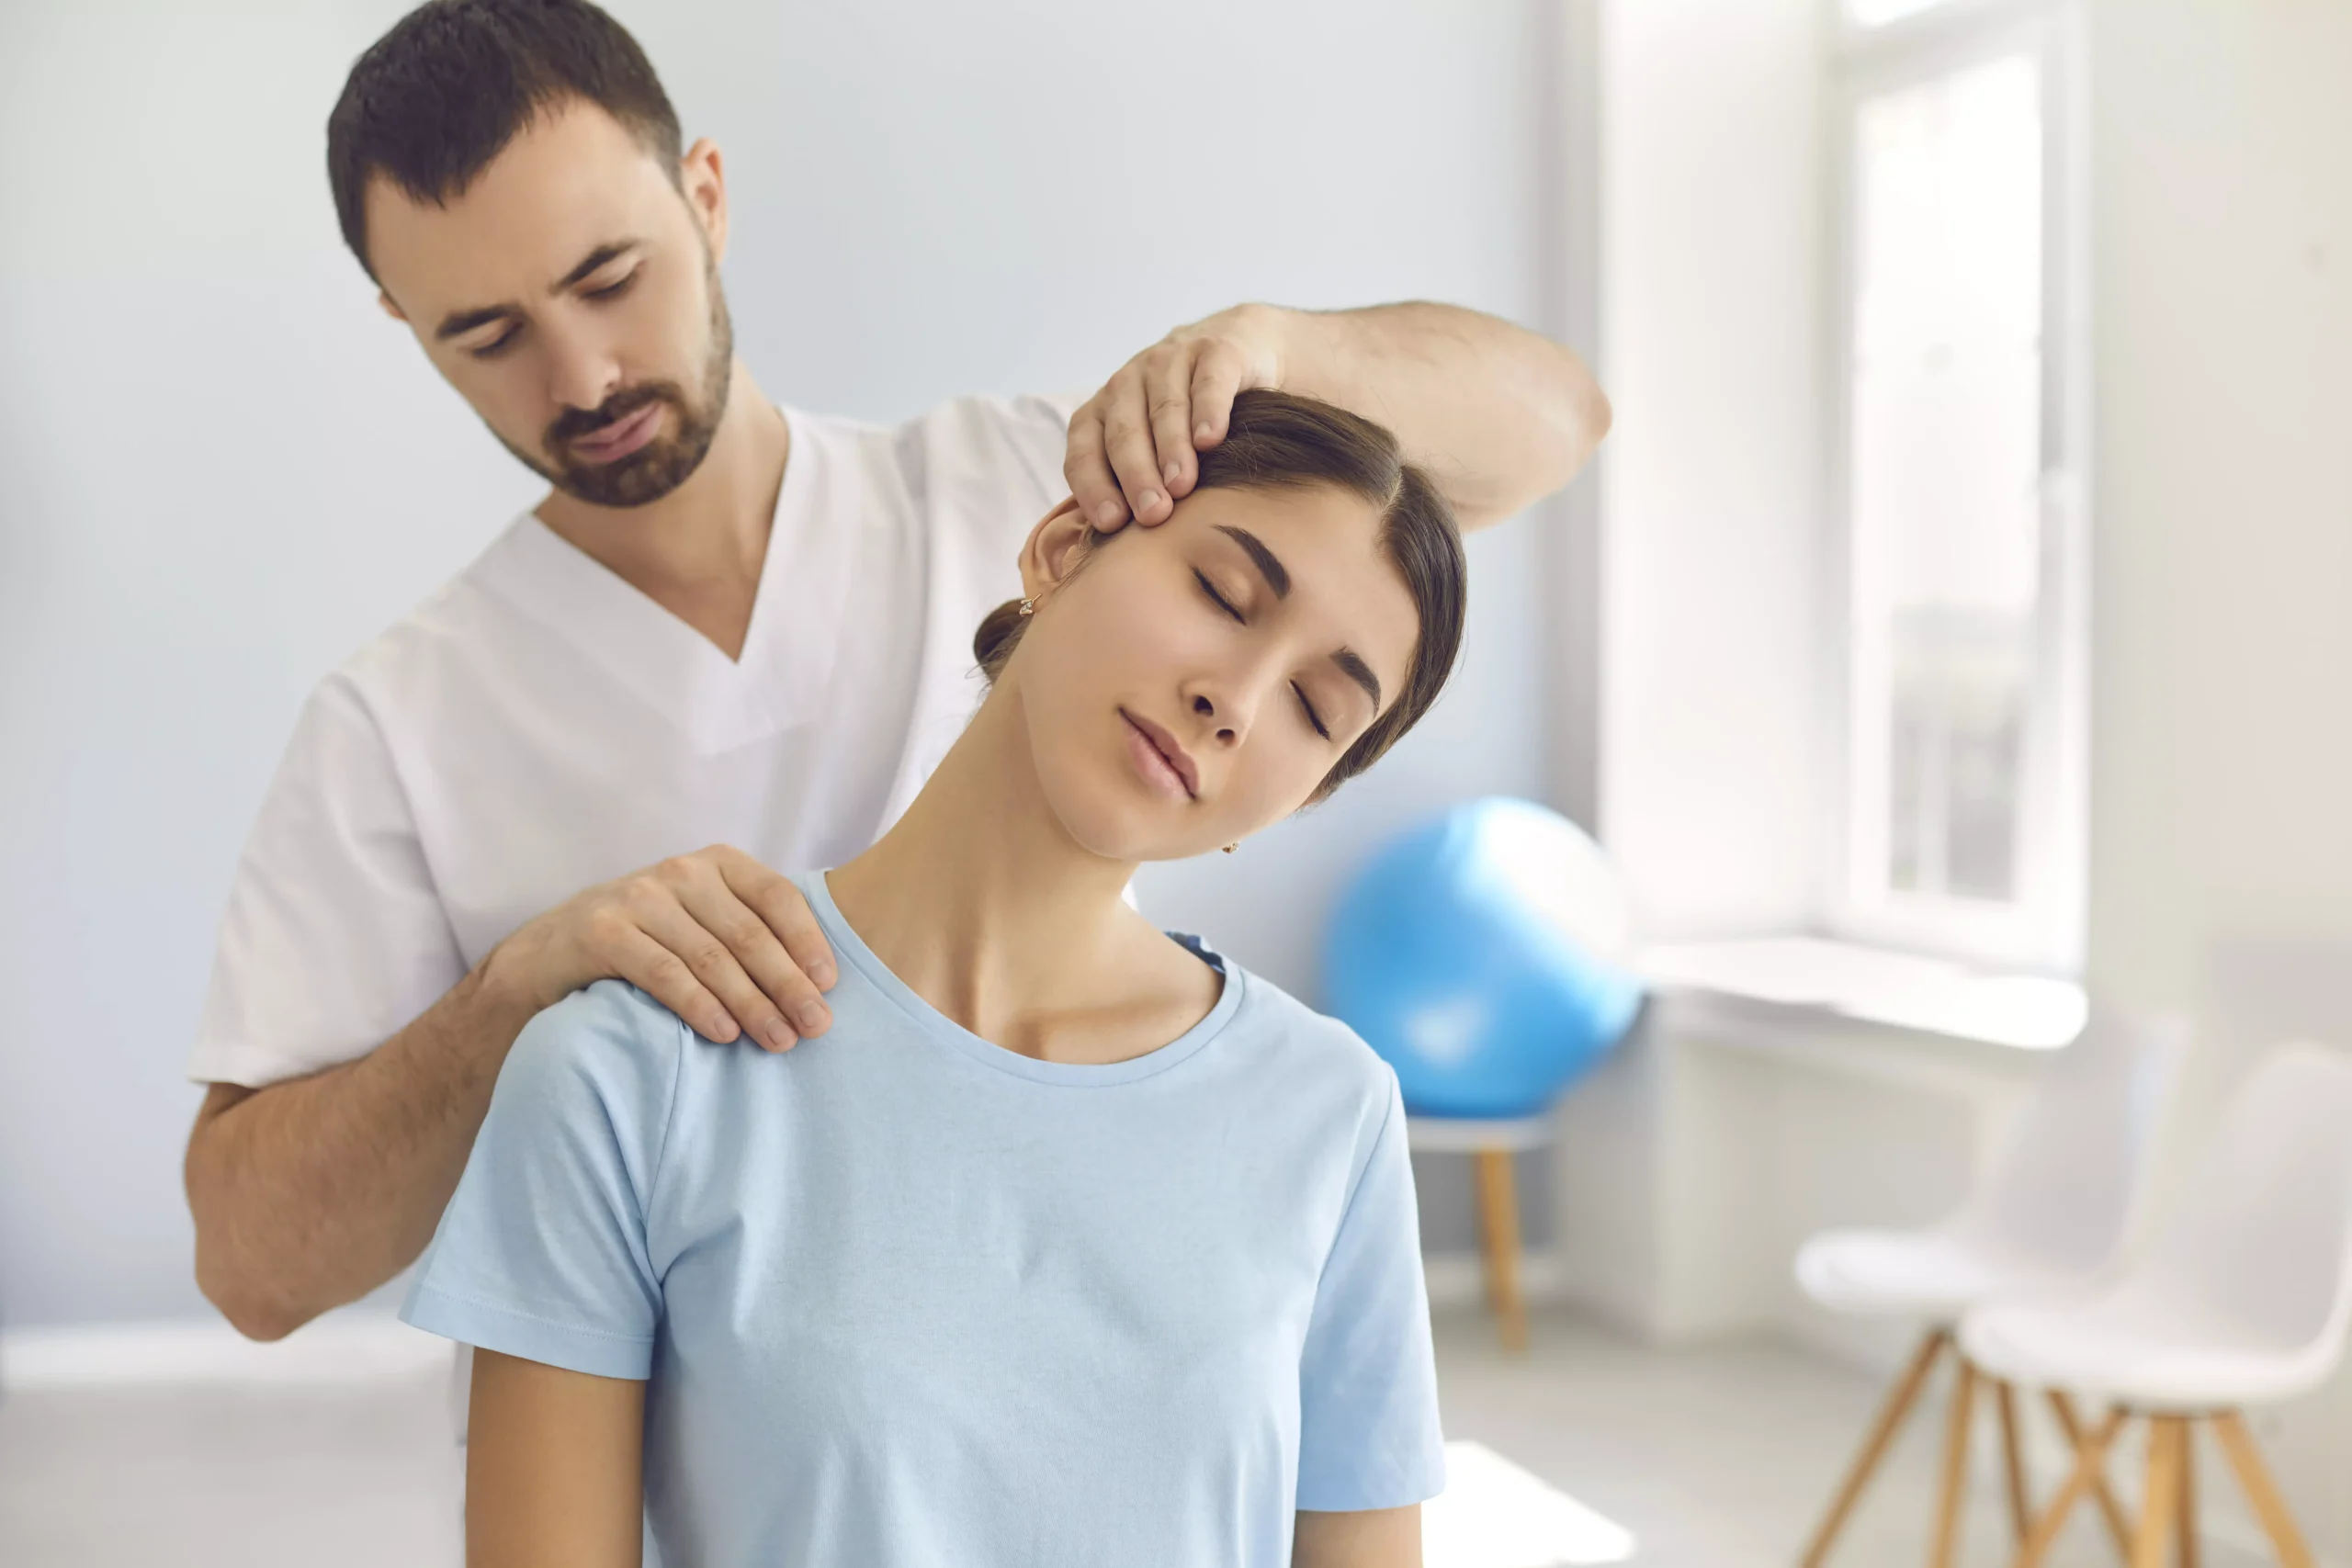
(458, 324)
(1351, 664)
(593, 260)
(1269, 565)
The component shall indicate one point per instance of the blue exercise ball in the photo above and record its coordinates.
(1487, 954)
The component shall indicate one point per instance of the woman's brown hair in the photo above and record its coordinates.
(1281, 441)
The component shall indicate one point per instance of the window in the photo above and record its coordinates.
(1957, 434)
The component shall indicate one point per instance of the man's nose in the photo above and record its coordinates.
(580, 372)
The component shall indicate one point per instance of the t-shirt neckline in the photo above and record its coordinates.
(720, 702)
(847, 944)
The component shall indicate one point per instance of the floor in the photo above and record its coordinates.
(1715, 1458)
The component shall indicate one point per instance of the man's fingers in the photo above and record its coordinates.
(751, 935)
(1168, 392)
(660, 973)
(784, 909)
(1087, 467)
(1217, 381)
(712, 964)
(1127, 436)
(780, 902)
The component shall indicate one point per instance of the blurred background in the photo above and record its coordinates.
(1952, 637)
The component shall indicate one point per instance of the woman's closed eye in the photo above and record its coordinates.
(1306, 707)
(1216, 598)
(1306, 703)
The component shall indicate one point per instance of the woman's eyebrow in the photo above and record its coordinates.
(1277, 578)
(1351, 664)
(1269, 565)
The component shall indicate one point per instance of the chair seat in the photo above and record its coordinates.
(1937, 1274)
(2134, 1352)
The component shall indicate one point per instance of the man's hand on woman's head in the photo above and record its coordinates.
(1133, 445)
(716, 937)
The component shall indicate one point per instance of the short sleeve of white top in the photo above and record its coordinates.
(539, 725)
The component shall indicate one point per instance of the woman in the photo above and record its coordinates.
(1067, 1244)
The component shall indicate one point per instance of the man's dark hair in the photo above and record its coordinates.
(433, 100)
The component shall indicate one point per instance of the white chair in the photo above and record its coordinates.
(2051, 1214)
(2243, 1299)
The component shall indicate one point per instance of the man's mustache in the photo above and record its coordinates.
(573, 423)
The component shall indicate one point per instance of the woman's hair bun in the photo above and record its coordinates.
(999, 633)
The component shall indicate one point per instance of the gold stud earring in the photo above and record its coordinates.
(1028, 608)
(1230, 848)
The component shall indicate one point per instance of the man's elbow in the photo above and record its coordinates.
(1584, 420)
(251, 1310)
(1594, 416)
(224, 1272)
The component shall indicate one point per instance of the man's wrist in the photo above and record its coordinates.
(1262, 333)
(500, 990)
(1315, 354)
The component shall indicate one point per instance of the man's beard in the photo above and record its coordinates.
(663, 464)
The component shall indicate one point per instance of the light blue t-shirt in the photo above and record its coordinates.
(906, 1297)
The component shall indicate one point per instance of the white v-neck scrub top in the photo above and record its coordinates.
(906, 1298)
(538, 726)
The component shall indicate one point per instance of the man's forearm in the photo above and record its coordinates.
(311, 1192)
(1499, 415)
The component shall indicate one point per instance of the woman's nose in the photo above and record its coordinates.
(1205, 706)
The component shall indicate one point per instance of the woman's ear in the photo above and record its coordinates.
(1054, 547)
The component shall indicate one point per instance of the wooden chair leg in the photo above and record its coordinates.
(2005, 1397)
(1899, 1401)
(2109, 1509)
(2090, 1460)
(2157, 1501)
(1498, 1226)
(1954, 1491)
(2185, 1515)
(2269, 1506)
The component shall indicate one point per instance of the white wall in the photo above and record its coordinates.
(2221, 147)
(2222, 242)
(1706, 240)
(1711, 173)
(220, 469)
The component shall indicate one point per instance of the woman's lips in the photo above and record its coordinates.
(1158, 758)
(621, 438)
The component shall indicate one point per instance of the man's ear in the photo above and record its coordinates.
(703, 177)
(1053, 548)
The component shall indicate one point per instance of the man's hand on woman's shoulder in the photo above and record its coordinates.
(718, 939)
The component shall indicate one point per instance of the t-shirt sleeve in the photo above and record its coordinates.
(544, 1251)
(1368, 1417)
(334, 937)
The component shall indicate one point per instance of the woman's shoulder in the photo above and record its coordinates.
(611, 1044)
(1319, 1045)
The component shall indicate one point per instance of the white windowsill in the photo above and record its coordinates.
(1819, 977)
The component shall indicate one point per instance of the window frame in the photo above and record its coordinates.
(2041, 931)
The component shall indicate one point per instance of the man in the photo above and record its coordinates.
(727, 624)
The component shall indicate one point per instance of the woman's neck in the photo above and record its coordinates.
(980, 901)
